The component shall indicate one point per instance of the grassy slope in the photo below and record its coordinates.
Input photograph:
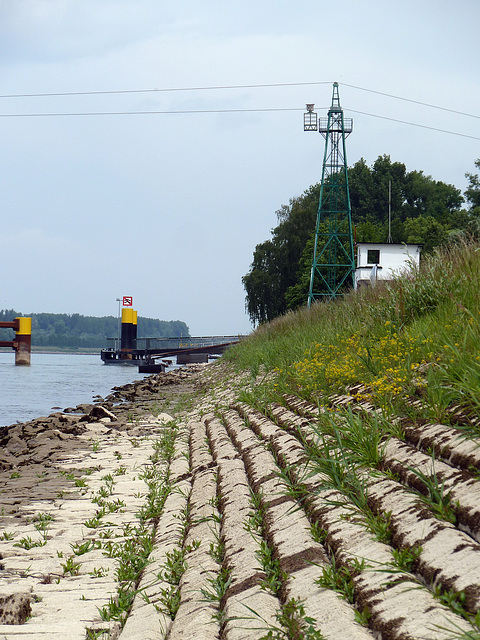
(416, 337)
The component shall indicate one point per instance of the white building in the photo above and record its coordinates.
(377, 261)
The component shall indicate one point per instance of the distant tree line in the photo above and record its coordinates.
(65, 331)
(423, 211)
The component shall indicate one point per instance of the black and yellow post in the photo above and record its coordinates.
(23, 338)
(127, 335)
(134, 329)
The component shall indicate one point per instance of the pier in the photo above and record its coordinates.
(143, 352)
(127, 349)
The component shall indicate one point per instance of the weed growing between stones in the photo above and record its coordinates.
(121, 471)
(339, 472)
(66, 474)
(292, 623)
(458, 634)
(456, 602)
(28, 543)
(102, 634)
(319, 534)
(174, 568)
(216, 549)
(405, 559)
(99, 572)
(7, 535)
(295, 624)
(219, 581)
(132, 556)
(79, 548)
(95, 521)
(136, 543)
(340, 458)
(340, 578)
(365, 435)
(109, 483)
(172, 572)
(275, 577)
(159, 487)
(292, 488)
(255, 525)
(436, 497)
(70, 567)
(41, 522)
(219, 584)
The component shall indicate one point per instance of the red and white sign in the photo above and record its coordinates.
(127, 301)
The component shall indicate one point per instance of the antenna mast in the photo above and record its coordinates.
(333, 265)
(389, 240)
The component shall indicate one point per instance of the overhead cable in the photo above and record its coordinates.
(203, 111)
(423, 104)
(142, 113)
(415, 124)
(233, 86)
(164, 90)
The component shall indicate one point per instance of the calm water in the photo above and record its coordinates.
(55, 380)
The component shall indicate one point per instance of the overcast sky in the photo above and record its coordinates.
(168, 207)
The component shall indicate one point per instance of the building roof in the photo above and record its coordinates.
(390, 244)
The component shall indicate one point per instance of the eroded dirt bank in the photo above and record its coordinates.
(170, 509)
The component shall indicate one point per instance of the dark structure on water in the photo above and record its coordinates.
(143, 352)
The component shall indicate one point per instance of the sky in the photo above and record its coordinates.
(164, 186)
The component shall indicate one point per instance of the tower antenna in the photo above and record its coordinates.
(333, 264)
(389, 240)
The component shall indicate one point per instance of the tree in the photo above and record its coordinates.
(77, 331)
(275, 266)
(425, 230)
(423, 211)
(472, 194)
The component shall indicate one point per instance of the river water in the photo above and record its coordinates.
(55, 380)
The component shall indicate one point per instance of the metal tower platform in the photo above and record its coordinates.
(333, 265)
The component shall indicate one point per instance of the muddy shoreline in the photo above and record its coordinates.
(45, 439)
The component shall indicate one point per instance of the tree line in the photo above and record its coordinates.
(423, 211)
(74, 331)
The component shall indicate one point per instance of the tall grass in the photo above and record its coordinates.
(418, 335)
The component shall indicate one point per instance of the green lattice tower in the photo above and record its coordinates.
(333, 265)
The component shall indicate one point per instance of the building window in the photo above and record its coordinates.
(373, 256)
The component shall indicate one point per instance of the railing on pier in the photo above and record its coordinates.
(174, 344)
(151, 348)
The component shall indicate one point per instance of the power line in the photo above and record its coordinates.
(212, 111)
(423, 104)
(165, 90)
(233, 86)
(142, 113)
(414, 124)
